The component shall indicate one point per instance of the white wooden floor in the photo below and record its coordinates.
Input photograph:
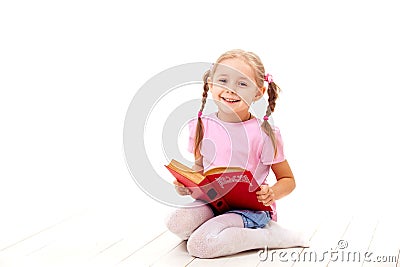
(97, 237)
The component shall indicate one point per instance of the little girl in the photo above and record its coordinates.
(234, 137)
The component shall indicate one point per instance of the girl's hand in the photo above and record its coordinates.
(181, 189)
(266, 195)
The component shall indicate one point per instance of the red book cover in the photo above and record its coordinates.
(224, 188)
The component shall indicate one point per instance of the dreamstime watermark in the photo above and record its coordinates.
(338, 254)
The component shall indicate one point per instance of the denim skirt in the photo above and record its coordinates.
(252, 218)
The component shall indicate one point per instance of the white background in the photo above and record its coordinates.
(69, 69)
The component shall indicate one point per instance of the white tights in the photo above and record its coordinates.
(210, 237)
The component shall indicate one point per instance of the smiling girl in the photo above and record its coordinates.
(232, 136)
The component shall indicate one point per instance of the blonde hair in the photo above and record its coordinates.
(255, 63)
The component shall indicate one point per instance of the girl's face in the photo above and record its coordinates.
(233, 88)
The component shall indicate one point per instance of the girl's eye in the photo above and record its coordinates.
(242, 84)
(222, 80)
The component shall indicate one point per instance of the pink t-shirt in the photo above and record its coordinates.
(242, 144)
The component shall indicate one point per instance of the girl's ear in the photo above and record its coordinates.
(209, 82)
(260, 92)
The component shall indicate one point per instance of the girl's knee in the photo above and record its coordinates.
(183, 222)
(175, 224)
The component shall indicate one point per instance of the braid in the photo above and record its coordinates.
(200, 127)
(273, 91)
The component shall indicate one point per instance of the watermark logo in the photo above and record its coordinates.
(339, 254)
(342, 244)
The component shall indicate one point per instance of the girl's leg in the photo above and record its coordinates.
(225, 235)
(184, 221)
(215, 237)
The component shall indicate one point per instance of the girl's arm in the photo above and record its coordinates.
(285, 180)
(285, 184)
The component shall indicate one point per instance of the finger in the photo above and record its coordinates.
(265, 195)
(177, 183)
(179, 188)
(263, 189)
(268, 190)
(266, 199)
(269, 203)
(182, 192)
(269, 199)
(271, 192)
(262, 198)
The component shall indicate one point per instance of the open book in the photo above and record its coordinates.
(224, 188)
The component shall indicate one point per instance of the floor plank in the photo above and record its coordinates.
(326, 237)
(384, 248)
(23, 223)
(80, 242)
(130, 239)
(246, 258)
(151, 252)
(99, 238)
(354, 242)
(221, 261)
(18, 253)
(178, 256)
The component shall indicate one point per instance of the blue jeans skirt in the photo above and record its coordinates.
(252, 218)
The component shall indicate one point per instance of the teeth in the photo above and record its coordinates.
(230, 100)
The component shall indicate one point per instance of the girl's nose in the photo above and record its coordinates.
(231, 88)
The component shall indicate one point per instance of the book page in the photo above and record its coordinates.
(189, 173)
(223, 170)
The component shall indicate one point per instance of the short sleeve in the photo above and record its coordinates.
(267, 153)
(192, 135)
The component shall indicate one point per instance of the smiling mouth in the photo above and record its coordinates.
(230, 100)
